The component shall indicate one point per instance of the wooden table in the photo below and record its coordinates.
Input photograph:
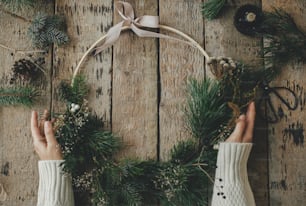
(138, 87)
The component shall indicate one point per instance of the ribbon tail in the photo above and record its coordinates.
(3, 194)
(111, 37)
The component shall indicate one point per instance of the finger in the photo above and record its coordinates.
(49, 133)
(236, 135)
(38, 140)
(43, 118)
(45, 115)
(39, 146)
(250, 121)
(34, 127)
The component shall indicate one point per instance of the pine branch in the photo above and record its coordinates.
(76, 93)
(15, 5)
(46, 30)
(18, 96)
(184, 152)
(286, 41)
(181, 185)
(212, 8)
(206, 110)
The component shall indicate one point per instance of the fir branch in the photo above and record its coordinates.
(84, 142)
(212, 8)
(130, 183)
(75, 93)
(19, 51)
(46, 30)
(286, 41)
(18, 96)
(184, 152)
(181, 185)
(206, 110)
(15, 5)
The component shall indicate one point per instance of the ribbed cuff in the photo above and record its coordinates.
(231, 187)
(232, 161)
(55, 187)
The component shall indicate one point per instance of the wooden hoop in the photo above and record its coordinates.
(164, 27)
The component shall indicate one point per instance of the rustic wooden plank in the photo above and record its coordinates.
(134, 105)
(287, 153)
(222, 39)
(19, 172)
(178, 62)
(86, 21)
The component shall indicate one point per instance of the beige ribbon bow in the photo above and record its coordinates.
(137, 25)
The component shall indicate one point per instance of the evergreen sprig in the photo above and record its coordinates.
(206, 109)
(285, 40)
(85, 145)
(46, 30)
(212, 8)
(184, 152)
(18, 96)
(75, 93)
(17, 4)
(181, 185)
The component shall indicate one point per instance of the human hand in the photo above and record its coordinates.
(243, 131)
(45, 144)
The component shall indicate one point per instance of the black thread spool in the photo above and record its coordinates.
(248, 19)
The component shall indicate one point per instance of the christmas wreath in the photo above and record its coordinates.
(212, 108)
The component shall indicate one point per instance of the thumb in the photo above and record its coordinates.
(49, 133)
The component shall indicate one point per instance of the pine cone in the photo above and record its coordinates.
(25, 70)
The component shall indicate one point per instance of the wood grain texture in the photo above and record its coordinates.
(134, 105)
(86, 21)
(222, 39)
(138, 88)
(287, 154)
(177, 63)
(18, 163)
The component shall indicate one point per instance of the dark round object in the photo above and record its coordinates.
(248, 19)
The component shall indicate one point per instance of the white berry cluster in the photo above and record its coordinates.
(74, 107)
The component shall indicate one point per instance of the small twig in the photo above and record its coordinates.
(15, 15)
(22, 52)
(206, 173)
(198, 164)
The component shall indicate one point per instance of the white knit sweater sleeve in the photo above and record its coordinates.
(232, 186)
(55, 187)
